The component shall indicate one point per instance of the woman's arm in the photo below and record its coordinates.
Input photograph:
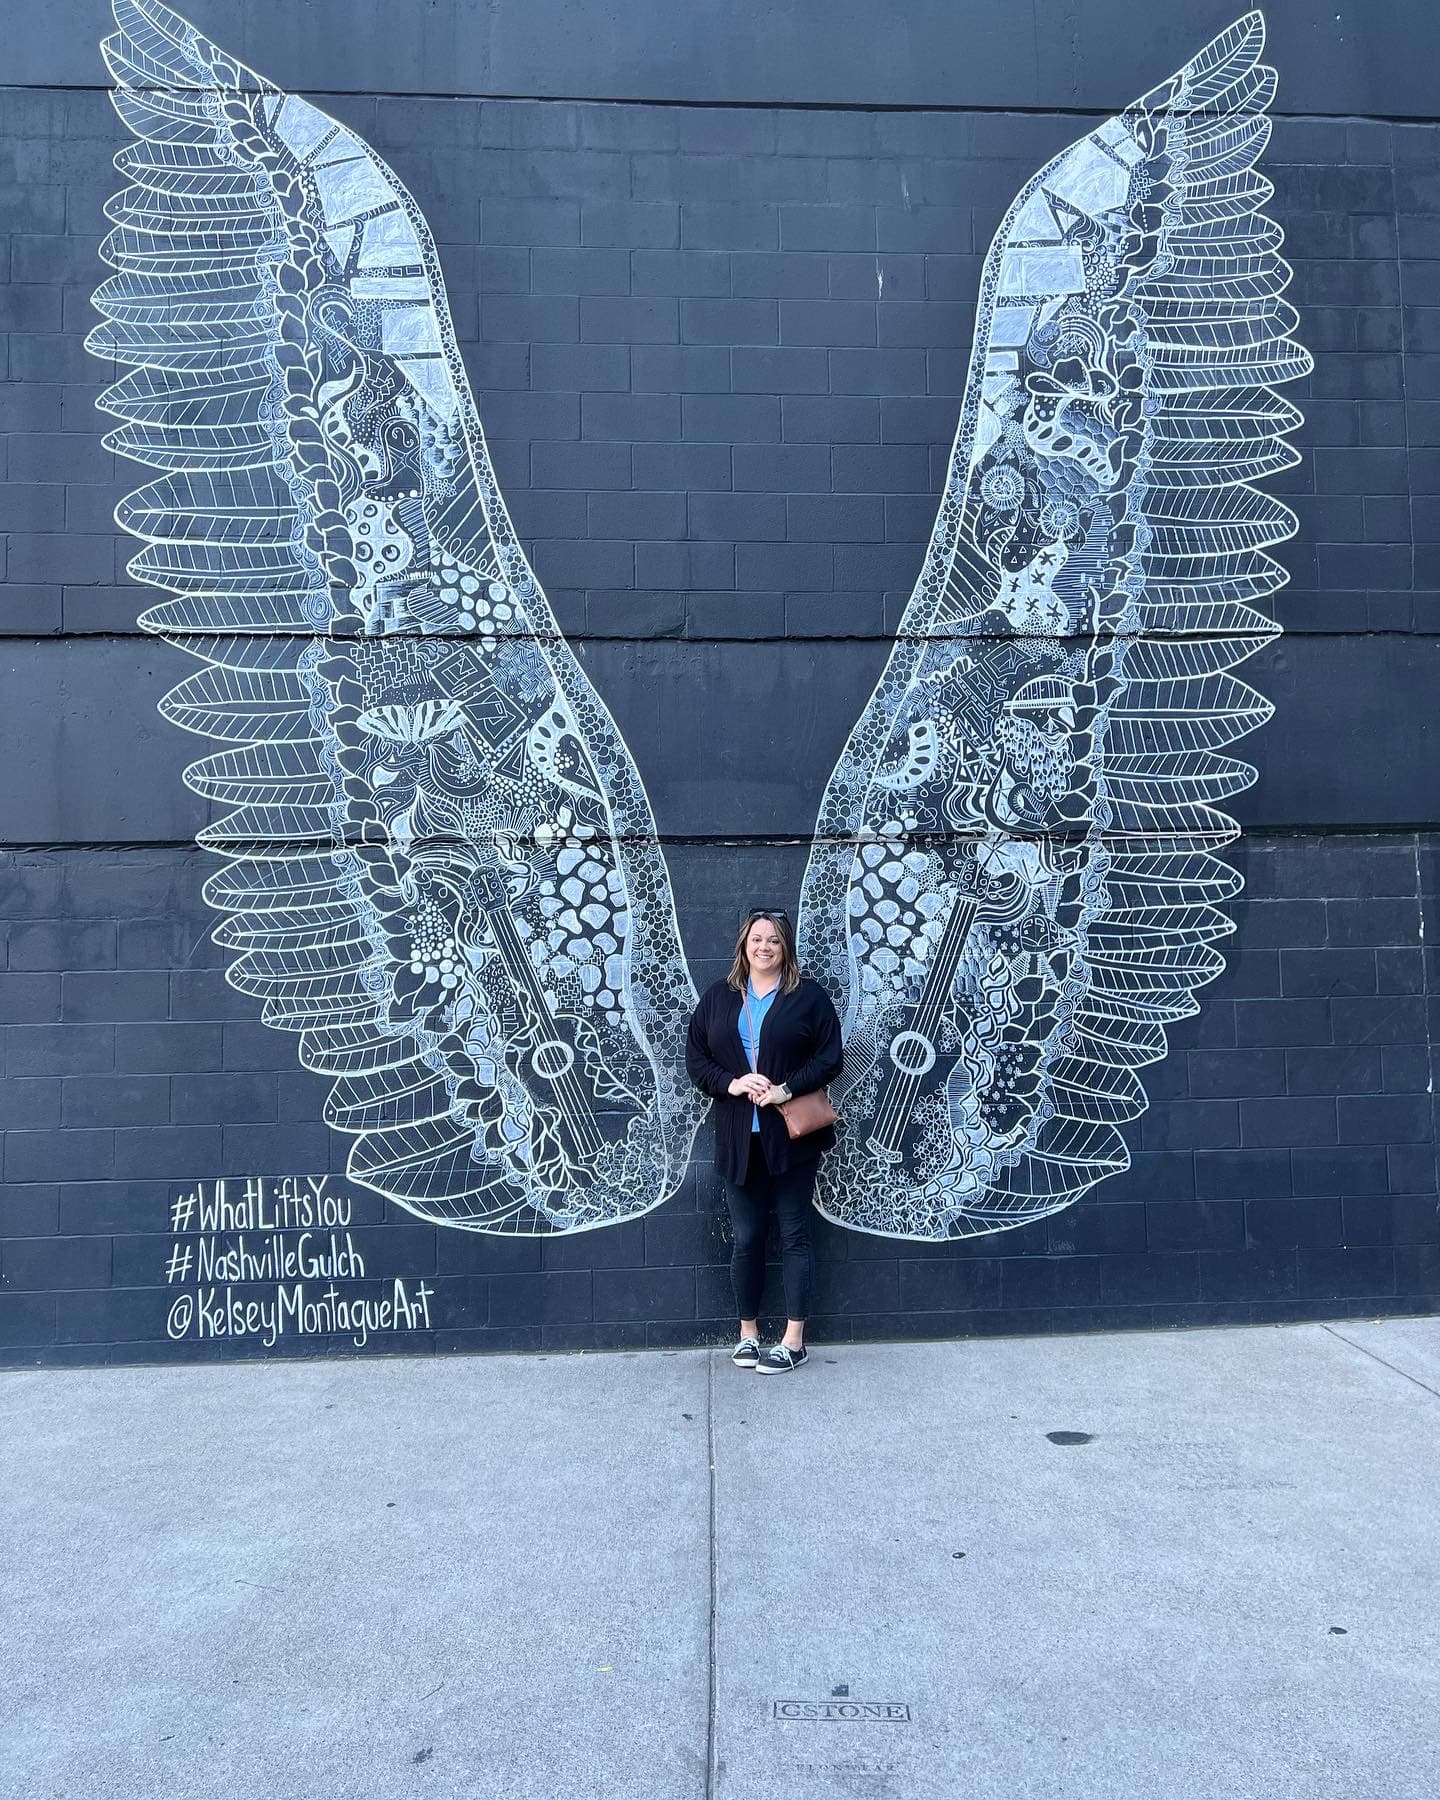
(701, 1066)
(828, 1055)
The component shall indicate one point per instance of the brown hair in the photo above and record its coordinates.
(789, 959)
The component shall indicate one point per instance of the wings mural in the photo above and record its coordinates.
(441, 867)
(1014, 887)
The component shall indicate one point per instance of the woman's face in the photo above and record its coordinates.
(763, 948)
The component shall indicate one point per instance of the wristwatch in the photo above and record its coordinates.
(784, 1092)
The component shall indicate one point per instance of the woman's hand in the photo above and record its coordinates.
(774, 1095)
(751, 1087)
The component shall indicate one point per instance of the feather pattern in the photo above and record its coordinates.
(1014, 888)
(441, 867)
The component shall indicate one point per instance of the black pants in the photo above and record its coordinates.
(751, 1203)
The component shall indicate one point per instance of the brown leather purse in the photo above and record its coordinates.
(806, 1112)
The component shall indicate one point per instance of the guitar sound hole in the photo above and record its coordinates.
(552, 1059)
(912, 1053)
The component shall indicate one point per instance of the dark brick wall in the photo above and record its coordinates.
(719, 352)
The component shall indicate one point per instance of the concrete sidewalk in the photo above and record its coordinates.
(653, 1575)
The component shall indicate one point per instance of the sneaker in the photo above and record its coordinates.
(746, 1354)
(781, 1360)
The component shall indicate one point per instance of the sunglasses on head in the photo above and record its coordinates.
(773, 913)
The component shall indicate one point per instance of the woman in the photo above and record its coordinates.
(760, 1037)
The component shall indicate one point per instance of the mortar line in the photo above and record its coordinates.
(1376, 1357)
(711, 1696)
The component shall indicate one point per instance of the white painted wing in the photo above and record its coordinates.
(1013, 889)
(442, 869)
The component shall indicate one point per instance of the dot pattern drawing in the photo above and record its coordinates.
(440, 865)
(1013, 888)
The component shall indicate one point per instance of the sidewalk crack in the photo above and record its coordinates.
(714, 1578)
(1374, 1357)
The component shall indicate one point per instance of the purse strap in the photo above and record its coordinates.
(752, 1049)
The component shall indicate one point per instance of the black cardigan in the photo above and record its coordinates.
(799, 1044)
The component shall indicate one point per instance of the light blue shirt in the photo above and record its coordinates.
(759, 1005)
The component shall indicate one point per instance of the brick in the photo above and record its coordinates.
(681, 273)
(555, 1297)
(1228, 1175)
(827, 322)
(925, 323)
(59, 1155)
(591, 562)
(955, 1286)
(681, 368)
(1304, 973)
(747, 617)
(877, 279)
(579, 271)
(1184, 1225)
(215, 1099)
(54, 1263)
(836, 518)
(762, 370)
(1049, 1281)
(724, 225)
(58, 557)
(1192, 1125)
(830, 420)
(682, 467)
(877, 371)
(91, 1101)
(648, 1294)
(582, 465)
(630, 418)
(1249, 1274)
(732, 322)
(945, 228)
(794, 276)
(887, 469)
(1352, 1272)
(1281, 1224)
(62, 944)
(526, 415)
(1276, 1121)
(29, 506)
(499, 269)
(634, 320)
(685, 566)
(741, 518)
(637, 515)
(1233, 1074)
(1411, 1168)
(27, 1321)
(833, 614)
(95, 996)
(732, 418)
(629, 225)
(1397, 1019)
(1384, 1118)
(785, 567)
(29, 1102)
(1145, 1280)
(529, 318)
(781, 468)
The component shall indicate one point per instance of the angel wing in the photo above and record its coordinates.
(1014, 887)
(441, 865)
